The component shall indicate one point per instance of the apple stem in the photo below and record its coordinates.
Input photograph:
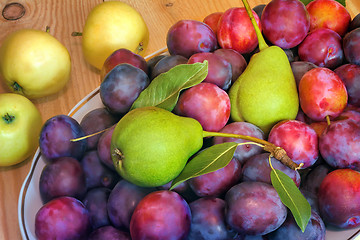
(8, 118)
(75, 34)
(140, 48)
(275, 151)
(261, 40)
(17, 87)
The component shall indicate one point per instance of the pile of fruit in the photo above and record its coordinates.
(247, 128)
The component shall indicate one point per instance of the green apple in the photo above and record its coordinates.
(20, 126)
(34, 63)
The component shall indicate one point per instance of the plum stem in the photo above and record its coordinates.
(278, 152)
(328, 120)
(261, 40)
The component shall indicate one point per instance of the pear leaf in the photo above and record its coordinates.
(291, 197)
(164, 90)
(206, 161)
(306, 2)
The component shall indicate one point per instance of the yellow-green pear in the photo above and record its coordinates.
(150, 146)
(265, 93)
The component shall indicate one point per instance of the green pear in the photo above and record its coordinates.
(265, 93)
(150, 146)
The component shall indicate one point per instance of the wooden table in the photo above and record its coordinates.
(64, 17)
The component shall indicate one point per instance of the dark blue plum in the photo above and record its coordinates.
(109, 233)
(166, 63)
(95, 202)
(95, 121)
(62, 218)
(121, 87)
(208, 220)
(351, 42)
(122, 201)
(187, 37)
(257, 168)
(311, 181)
(104, 148)
(55, 138)
(97, 174)
(315, 229)
(62, 177)
(254, 208)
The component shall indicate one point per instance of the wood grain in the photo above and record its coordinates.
(65, 16)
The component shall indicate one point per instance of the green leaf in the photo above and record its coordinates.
(208, 160)
(164, 90)
(291, 197)
(306, 2)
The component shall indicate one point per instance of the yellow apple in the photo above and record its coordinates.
(34, 63)
(20, 126)
(110, 26)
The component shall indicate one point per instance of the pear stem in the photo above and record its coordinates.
(275, 151)
(261, 40)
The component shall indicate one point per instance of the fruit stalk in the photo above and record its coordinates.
(261, 40)
(277, 152)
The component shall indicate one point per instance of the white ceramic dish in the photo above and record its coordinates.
(30, 201)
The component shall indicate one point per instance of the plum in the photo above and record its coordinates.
(219, 70)
(339, 195)
(235, 30)
(62, 218)
(242, 152)
(96, 174)
(351, 43)
(161, 214)
(254, 208)
(355, 23)
(311, 182)
(123, 55)
(109, 233)
(323, 47)
(55, 138)
(121, 87)
(285, 23)
(187, 37)
(322, 93)
(350, 75)
(95, 121)
(122, 201)
(208, 220)
(339, 144)
(298, 139)
(153, 61)
(315, 229)
(212, 20)
(166, 63)
(95, 202)
(216, 183)
(328, 14)
(62, 177)
(236, 60)
(103, 148)
(257, 168)
(299, 68)
(258, 9)
(207, 103)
